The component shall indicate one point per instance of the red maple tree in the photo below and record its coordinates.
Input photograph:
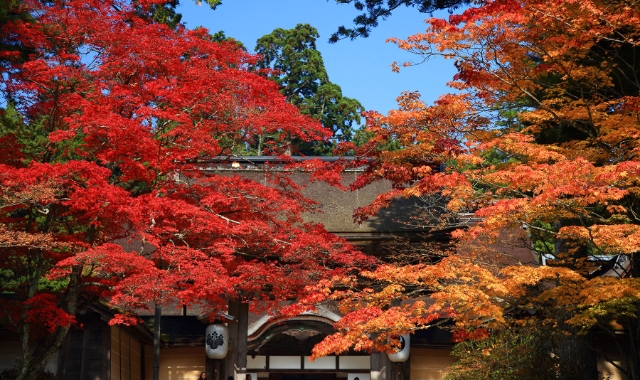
(111, 119)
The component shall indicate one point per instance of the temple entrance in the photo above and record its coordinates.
(302, 376)
(280, 349)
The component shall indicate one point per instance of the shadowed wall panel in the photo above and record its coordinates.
(429, 364)
(126, 356)
(176, 363)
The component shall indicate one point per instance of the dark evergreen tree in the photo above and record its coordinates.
(299, 70)
(375, 10)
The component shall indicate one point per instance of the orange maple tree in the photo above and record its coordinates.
(109, 127)
(542, 135)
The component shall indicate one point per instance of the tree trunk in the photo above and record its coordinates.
(578, 361)
(634, 325)
(33, 363)
(259, 149)
(633, 356)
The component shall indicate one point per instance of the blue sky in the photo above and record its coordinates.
(360, 67)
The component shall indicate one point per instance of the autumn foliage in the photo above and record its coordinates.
(541, 137)
(110, 124)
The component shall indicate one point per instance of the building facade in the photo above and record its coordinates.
(262, 346)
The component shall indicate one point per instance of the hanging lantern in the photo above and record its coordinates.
(403, 351)
(217, 341)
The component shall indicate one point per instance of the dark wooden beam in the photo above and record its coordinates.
(106, 353)
(62, 358)
(381, 367)
(156, 342)
(85, 350)
(209, 368)
(243, 327)
(230, 359)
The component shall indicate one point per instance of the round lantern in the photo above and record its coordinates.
(217, 341)
(402, 353)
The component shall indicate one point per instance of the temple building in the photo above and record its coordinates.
(260, 346)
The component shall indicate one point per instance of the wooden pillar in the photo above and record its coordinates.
(243, 329)
(236, 360)
(106, 354)
(62, 356)
(209, 368)
(156, 342)
(406, 369)
(230, 359)
(399, 371)
(217, 370)
(380, 366)
(392, 373)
